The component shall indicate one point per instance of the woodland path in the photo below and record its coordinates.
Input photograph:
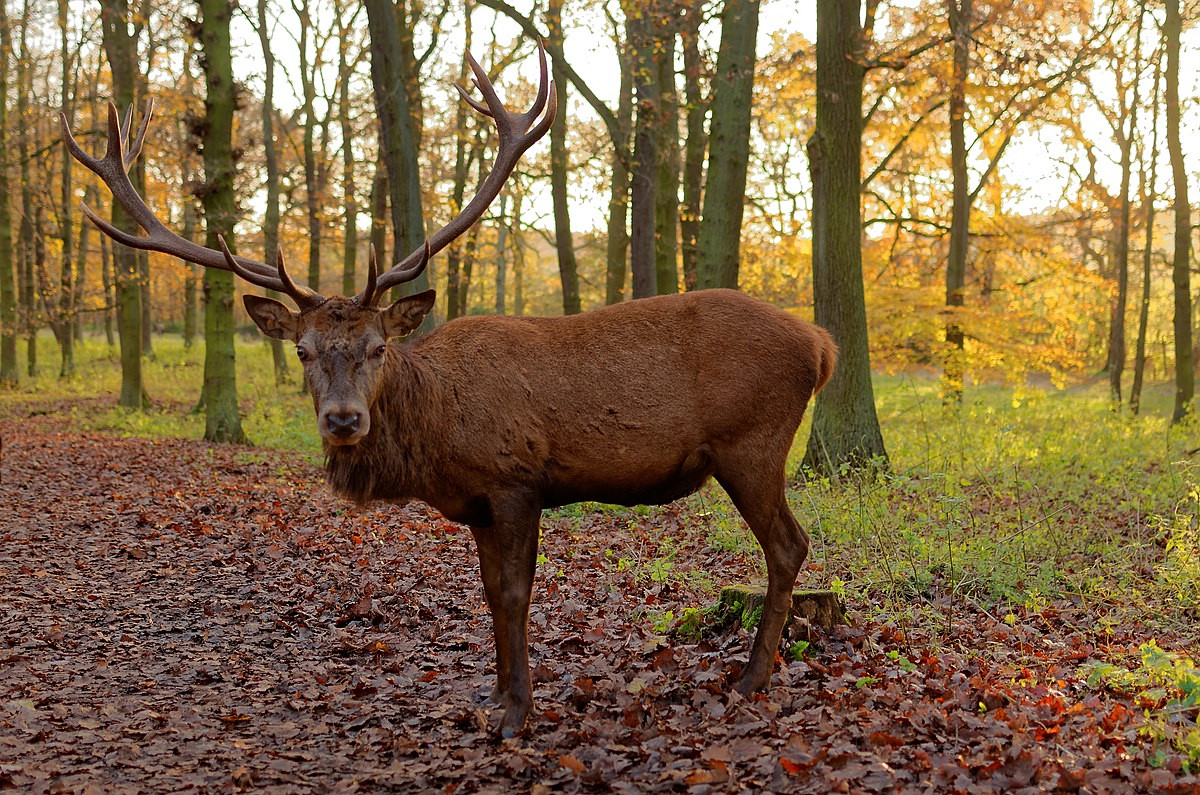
(176, 616)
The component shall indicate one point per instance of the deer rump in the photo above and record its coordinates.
(637, 403)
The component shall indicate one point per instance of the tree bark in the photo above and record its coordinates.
(960, 209)
(617, 247)
(1148, 197)
(1185, 376)
(26, 238)
(719, 246)
(564, 241)
(66, 284)
(8, 293)
(271, 158)
(222, 422)
(501, 252)
(120, 46)
(666, 192)
(462, 167)
(399, 135)
(696, 143)
(845, 430)
(643, 182)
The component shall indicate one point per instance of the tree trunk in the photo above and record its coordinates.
(108, 278)
(121, 49)
(1185, 376)
(666, 192)
(518, 268)
(379, 212)
(66, 284)
(398, 136)
(960, 208)
(645, 155)
(1148, 197)
(462, 168)
(845, 430)
(26, 240)
(501, 252)
(564, 242)
(616, 259)
(222, 421)
(8, 293)
(190, 282)
(349, 196)
(696, 143)
(271, 212)
(719, 247)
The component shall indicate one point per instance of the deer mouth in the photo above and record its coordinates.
(345, 427)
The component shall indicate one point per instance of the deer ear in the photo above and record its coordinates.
(406, 314)
(272, 318)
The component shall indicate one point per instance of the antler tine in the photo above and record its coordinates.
(517, 132)
(113, 171)
(368, 296)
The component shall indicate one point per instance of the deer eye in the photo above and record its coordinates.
(302, 353)
(379, 351)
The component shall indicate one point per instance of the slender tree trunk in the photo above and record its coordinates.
(8, 293)
(27, 242)
(564, 241)
(271, 157)
(719, 246)
(66, 286)
(501, 252)
(1185, 376)
(349, 195)
(462, 168)
(108, 280)
(399, 135)
(696, 143)
(518, 269)
(191, 320)
(616, 261)
(645, 155)
(1148, 197)
(845, 430)
(82, 253)
(120, 47)
(666, 192)
(223, 423)
(379, 212)
(960, 208)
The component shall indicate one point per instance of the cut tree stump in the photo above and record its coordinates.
(745, 602)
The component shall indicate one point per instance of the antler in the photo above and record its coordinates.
(518, 131)
(113, 169)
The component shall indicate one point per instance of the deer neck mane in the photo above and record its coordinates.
(394, 461)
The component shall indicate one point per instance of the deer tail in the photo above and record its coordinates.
(827, 355)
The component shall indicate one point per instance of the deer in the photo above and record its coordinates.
(493, 419)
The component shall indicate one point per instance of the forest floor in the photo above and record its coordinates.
(177, 616)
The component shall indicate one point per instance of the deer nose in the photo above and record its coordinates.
(343, 423)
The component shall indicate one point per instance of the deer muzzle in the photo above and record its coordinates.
(344, 426)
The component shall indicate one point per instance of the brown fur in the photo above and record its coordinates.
(491, 419)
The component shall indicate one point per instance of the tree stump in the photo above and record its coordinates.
(744, 603)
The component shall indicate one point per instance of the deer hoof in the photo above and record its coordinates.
(512, 722)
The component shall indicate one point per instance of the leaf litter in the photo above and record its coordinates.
(183, 617)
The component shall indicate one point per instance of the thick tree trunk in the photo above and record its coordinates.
(379, 212)
(399, 135)
(121, 50)
(666, 192)
(643, 180)
(696, 144)
(271, 156)
(845, 430)
(719, 246)
(1185, 376)
(564, 242)
(222, 420)
(960, 208)
(8, 293)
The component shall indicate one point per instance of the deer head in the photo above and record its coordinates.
(341, 341)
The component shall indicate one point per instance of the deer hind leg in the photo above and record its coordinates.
(490, 564)
(761, 500)
(508, 565)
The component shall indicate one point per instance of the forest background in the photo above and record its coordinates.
(1068, 187)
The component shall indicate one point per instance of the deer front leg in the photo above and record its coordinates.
(490, 565)
(511, 560)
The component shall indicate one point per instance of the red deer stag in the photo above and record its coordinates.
(492, 419)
